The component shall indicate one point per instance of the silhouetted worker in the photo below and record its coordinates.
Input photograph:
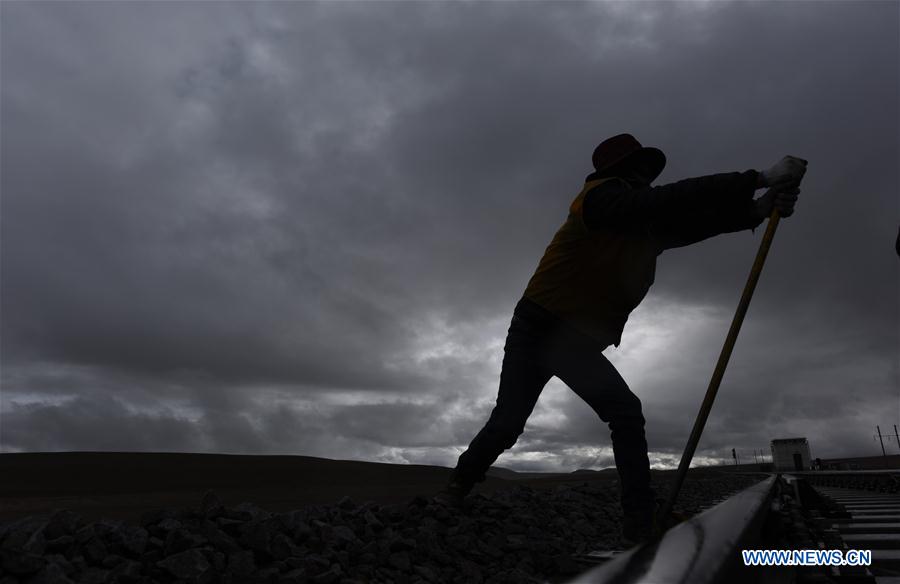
(596, 270)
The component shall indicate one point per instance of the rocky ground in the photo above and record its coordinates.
(517, 535)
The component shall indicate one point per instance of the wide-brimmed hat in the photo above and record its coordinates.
(624, 149)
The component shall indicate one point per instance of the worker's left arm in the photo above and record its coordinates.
(730, 209)
(686, 211)
(729, 219)
(703, 207)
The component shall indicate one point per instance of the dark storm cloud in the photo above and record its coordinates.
(72, 425)
(302, 227)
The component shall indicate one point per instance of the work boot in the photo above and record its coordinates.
(639, 526)
(642, 525)
(454, 493)
(670, 521)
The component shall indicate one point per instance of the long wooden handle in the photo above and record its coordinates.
(719, 372)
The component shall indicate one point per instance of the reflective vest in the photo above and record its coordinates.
(592, 280)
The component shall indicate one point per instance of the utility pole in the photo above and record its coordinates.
(883, 453)
(897, 435)
(755, 458)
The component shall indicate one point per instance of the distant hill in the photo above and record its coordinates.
(123, 485)
(512, 475)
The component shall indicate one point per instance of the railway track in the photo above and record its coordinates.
(870, 518)
(820, 510)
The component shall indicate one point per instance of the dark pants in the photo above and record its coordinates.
(539, 346)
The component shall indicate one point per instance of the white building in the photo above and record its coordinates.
(791, 454)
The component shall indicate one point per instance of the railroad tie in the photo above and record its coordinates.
(874, 524)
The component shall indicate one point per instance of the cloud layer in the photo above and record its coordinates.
(302, 227)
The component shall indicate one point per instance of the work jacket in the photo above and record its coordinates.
(602, 260)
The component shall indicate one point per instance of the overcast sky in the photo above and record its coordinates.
(301, 228)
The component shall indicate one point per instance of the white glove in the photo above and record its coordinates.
(787, 172)
(784, 200)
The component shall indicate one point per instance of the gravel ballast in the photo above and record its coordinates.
(517, 535)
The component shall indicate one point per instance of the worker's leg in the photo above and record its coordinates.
(579, 363)
(522, 378)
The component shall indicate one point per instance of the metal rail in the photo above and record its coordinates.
(703, 549)
(886, 481)
(842, 510)
(871, 472)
